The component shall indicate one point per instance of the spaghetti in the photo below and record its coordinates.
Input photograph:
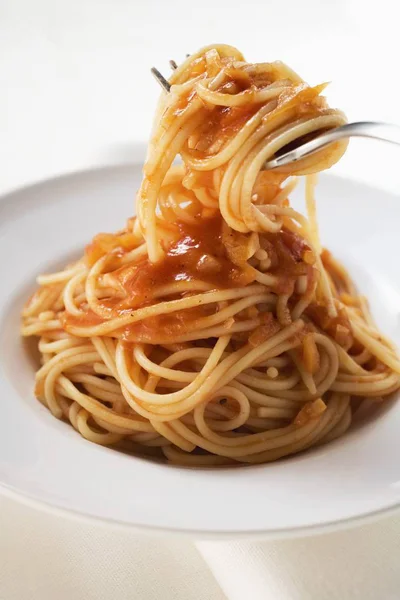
(214, 329)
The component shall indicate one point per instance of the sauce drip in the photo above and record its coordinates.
(207, 252)
(198, 254)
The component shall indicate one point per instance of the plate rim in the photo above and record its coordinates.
(206, 535)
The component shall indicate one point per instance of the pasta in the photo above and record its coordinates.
(214, 328)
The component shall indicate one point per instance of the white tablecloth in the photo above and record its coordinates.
(44, 557)
(76, 92)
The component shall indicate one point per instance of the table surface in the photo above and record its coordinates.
(76, 92)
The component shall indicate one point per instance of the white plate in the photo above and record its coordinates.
(45, 460)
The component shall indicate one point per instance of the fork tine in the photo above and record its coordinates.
(161, 79)
(173, 65)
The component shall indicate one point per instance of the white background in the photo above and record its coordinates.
(76, 87)
(76, 91)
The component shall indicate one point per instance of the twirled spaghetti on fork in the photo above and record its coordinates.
(214, 328)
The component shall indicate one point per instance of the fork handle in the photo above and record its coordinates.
(369, 129)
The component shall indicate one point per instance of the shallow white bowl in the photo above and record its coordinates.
(45, 461)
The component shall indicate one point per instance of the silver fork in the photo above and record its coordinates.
(368, 129)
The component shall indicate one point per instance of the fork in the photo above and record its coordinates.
(367, 129)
